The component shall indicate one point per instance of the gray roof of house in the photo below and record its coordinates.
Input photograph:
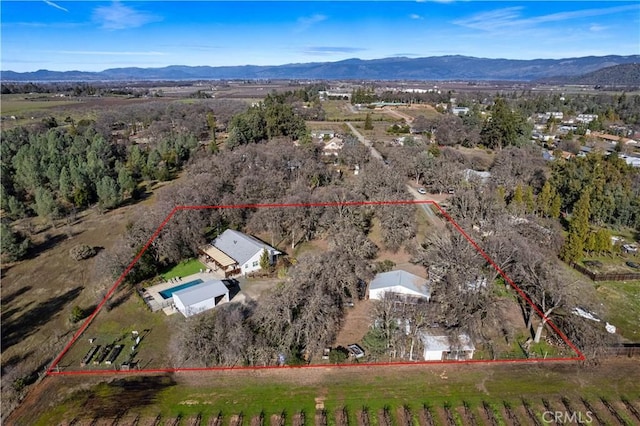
(241, 247)
(203, 291)
(442, 343)
(401, 278)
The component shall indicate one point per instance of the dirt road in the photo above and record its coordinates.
(374, 152)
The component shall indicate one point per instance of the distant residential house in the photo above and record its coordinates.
(613, 138)
(333, 146)
(632, 161)
(399, 283)
(443, 348)
(567, 155)
(321, 134)
(199, 298)
(474, 174)
(459, 110)
(586, 118)
(236, 253)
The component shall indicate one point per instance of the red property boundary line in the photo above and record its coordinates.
(54, 371)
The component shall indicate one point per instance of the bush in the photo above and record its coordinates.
(384, 266)
(338, 355)
(82, 252)
(77, 313)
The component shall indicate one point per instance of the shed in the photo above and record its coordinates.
(399, 282)
(201, 297)
(440, 348)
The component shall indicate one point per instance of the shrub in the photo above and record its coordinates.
(81, 252)
(77, 313)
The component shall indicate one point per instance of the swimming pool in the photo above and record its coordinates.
(168, 293)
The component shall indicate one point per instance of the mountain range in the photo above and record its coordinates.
(396, 68)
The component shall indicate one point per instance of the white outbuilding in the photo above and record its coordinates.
(443, 348)
(201, 297)
(399, 282)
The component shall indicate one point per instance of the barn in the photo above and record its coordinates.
(201, 297)
(399, 283)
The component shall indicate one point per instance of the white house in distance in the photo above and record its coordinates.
(236, 253)
(201, 297)
(400, 283)
(333, 146)
(440, 348)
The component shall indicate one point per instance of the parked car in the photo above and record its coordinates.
(422, 191)
(633, 265)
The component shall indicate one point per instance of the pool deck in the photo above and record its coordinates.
(156, 302)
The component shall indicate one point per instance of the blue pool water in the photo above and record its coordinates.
(168, 293)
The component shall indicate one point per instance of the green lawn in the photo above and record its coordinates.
(291, 391)
(622, 298)
(183, 269)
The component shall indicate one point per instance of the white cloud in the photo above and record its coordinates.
(511, 17)
(52, 4)
(597, 28)
(108, 53)
(118, 17)
(415, 16)
(306, 22)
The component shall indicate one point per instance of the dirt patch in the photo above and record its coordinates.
(356, 323)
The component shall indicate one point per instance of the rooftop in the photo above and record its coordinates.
(200, 292)
(403, 279)
(241, 247)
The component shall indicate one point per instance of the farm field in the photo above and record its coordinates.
(433, 395)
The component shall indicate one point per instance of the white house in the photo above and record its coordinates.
(237, 253)
(459, 110)
(201, 297)
(333, 146)
(440, 348)
(399, 282)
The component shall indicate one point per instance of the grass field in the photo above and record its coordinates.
(340, 111)
(20, 104)
(183, 269)
(622, 298)
(382, 392)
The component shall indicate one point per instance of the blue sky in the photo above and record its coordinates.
(96, 35)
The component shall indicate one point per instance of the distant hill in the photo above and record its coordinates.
(627, 75)
(397, 68)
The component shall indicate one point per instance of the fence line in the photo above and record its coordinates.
(606, 277)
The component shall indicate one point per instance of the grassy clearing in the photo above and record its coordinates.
(18, 104)
(622, 299)
(340, 111)
(183, 269)
(290, 391)
(115, 326)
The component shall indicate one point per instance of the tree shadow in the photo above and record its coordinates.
(118, 300)
(124, 394)
(14, 360)
(35, 251)
(15, 330)
(8, 313)
(12, 296)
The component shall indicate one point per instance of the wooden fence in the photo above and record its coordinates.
(629, 276)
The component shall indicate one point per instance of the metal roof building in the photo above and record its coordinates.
(200, 297)
(399, 282)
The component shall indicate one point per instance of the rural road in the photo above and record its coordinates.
(366, 142)
(437, 221)
(417, 196)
